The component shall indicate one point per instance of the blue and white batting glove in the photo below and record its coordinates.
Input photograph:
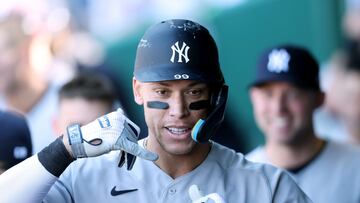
(113, 131)
(197, 196)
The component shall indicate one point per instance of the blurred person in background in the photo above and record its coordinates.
(23, 87)
(351, 20)
(350, 112)
(344, 97)
(83, 99)
(36, 58)
(338, 119)
(15, 141)
(284, 96)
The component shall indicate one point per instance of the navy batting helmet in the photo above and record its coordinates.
(177, 49)
(184, 50)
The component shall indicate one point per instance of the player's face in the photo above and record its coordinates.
(172, 126)
(284, 112)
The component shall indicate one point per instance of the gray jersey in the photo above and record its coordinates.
(332, 177)
(223, 171)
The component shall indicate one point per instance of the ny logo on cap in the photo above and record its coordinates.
(20, 152)
(176, 49)
(278, 61)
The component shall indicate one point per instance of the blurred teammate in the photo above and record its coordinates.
(285, 95)
(340, 115)
(177, 79)
(24, 87)
(344, 99)
(83, 99)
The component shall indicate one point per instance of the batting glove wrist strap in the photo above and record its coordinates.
(76, 141)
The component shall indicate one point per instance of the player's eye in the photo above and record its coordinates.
(267, 93)
(161, 92)
(294, 94)
(194, 92)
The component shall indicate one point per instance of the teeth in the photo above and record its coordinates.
(177, 130)
(280, 122)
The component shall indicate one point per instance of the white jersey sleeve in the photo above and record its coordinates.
(26, 182)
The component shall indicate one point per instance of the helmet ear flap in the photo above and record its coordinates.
(215, 96)
(205, 129)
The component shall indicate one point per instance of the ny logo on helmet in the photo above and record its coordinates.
(176, 49)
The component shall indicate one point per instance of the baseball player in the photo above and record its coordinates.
(285, 95)
(177, 79)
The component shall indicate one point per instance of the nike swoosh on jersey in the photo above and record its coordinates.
(115, 192)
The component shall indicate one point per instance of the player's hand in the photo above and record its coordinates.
(113, 131)
(197, 196)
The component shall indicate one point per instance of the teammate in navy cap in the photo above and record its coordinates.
(285, 95)
(288, 63)
(15, 141)
(177, 79)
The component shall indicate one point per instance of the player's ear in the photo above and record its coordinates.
(252, 93)
(136, 90)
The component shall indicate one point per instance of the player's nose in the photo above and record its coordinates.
(178, 106)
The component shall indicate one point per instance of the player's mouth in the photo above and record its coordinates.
(281, 123)
(179, 132)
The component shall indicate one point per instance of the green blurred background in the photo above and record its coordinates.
(242, 32)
